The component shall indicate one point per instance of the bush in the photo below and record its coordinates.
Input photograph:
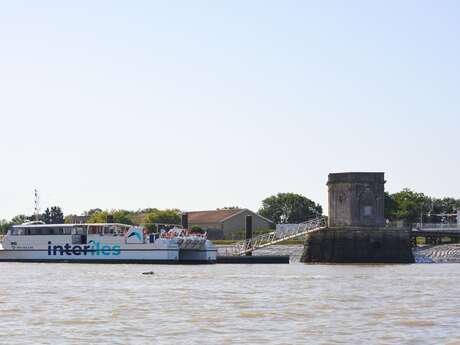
(196, 230)
(161, 217)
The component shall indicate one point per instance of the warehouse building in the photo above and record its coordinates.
(227, 224)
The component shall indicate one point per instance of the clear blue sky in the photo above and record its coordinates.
(205, 104)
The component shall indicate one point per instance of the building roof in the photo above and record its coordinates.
(217, 216)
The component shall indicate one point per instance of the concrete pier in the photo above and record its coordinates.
(358, 245)
(356, 232)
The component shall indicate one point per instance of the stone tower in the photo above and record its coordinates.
(357, 232)
(356, 199)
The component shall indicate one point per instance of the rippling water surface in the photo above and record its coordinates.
(229, 304)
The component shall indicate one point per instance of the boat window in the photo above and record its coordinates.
(58, 231)
(109, 229)
(79, 231)
(34, 231)
(95, 229)
(46, 231)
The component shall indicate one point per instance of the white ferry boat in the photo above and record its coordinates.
(103, 243)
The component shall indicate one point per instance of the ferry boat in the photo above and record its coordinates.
(103, 243)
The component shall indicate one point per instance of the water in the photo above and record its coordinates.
(229, 304)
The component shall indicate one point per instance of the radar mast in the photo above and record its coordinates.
(37, 205)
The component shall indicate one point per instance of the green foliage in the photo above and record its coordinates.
(119, 216)
(4, 225)
(123, 217)
(148, 210)
(19, 219)
(197, 230)
(390, 206)
(98, 217)
(91, 212)
(53, 215)
(406, 205)
(444, 205)
(289, 208)
(169, 216)
(68, 218)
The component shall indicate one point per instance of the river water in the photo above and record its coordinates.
(229, 304)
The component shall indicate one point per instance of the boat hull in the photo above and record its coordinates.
(148, 256)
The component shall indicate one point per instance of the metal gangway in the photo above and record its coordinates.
(280, 235)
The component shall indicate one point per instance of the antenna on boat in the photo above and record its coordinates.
(37, 205)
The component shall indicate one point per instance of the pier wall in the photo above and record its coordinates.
(358, 245)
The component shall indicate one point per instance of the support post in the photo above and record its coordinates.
(248, 231)
(184, 220)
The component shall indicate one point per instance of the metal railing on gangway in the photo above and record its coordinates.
(436, 226)
(280, 235)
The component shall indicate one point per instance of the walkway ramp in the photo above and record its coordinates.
(281, 234)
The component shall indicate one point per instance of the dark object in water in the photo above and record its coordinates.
(146, 273)
(257, 259)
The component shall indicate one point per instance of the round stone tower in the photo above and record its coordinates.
(356, 199)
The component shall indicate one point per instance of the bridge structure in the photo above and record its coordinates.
(282, 233)
(435, 234)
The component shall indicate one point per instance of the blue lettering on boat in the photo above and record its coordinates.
(93, 248)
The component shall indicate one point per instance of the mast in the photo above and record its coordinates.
(37, 205)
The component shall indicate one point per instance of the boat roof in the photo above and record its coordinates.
(66, 225)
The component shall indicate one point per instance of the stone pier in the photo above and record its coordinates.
(356, 230)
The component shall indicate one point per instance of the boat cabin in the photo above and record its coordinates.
(109, 229)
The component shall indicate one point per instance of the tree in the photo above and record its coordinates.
(148, 210)
(56, 215)
(407, 205)
(289, 208)
(123, 217)
(69, 218)
(390, 206)
(19, 219)
(196, 230)
(170, 216)
(119, 216)
(46, 216)
(98, 217)
(92, 211)
(444, 205)
(52, 216)
(4, 225)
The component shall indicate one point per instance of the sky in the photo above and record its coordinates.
(203, 104)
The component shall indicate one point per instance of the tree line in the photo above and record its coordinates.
(52, 215)
(148, 217)
(412, 207)
(407, 206)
